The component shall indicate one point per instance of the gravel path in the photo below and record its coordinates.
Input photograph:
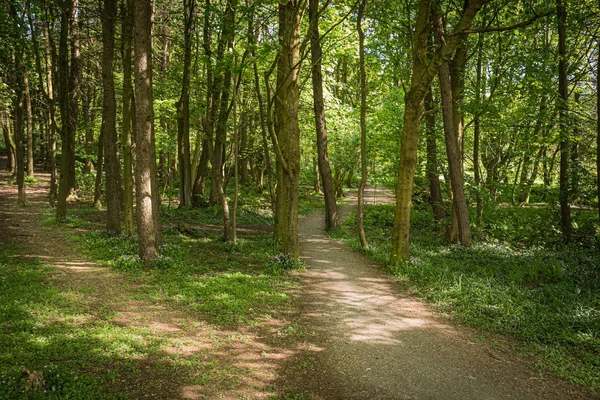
(373, 341)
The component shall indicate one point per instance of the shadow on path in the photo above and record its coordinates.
(371, 340)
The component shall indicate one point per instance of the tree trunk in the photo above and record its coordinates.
(29, 120)
(263, 129)
(421, 77)
(69, 86)
(19, 116)
(50, 70)
(147, 197)
(433, 175)
(126, 133)
(8, 141)
(563, 92)
(287, 130)
(363, 128)
(598, 127)
(109, 118)
(324, 169)
(183, 109)
(99, 171)
(477, 129)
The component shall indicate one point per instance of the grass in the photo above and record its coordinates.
(518, 279)
(54, 333)
(81, 350)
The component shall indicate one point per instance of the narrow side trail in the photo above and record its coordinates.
(372, 340)
(239, 362)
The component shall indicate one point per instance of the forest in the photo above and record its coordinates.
(199, 198)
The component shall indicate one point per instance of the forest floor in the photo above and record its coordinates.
(363, 336)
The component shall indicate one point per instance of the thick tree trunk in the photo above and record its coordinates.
(147, 196)
(324, 169)
(109, 118)
(433, 175)
(287, 131)
(183, 109)
(126, 133)
(563, 92)
(29, 120)
(363, 128)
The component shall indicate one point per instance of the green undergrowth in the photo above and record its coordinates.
(53, 345)
(518, 279)
(226, 283)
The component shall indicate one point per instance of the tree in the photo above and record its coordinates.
(126, 130)
(286, 139)
(69, 107)
(147, 197)
(421, 77)
(324, 169)
(563, 99)
(109, 116)
(183, 109)
(363, 128)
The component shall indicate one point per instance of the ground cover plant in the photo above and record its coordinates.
(518, 279)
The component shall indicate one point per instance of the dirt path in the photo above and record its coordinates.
(373, 341)
(241, 362)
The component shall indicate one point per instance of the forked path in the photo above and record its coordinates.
(373, 341)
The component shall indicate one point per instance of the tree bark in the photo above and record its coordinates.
(109, 117)
(563, 92)
(324, 169)
(69, 86)
(126, 133)
(183, 109)
(433, 175)
(147, 197)
(287, 131)
(29, 121)
(363, 128)
(8, 141)
(99, 171)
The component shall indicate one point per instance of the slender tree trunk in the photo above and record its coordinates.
(8, 141)
(324, 169)
(598, 127)
(126, 132)
(50, 70)
(236, 156)
(147, 196)
(460, 217)
(29, 120)
(263, 129)
(433, 175)
(99, 171)
(69, 86)
(287, 137)
(183, 109)
(19, 115)
(109, 118)
(563, 91)
(363, 128)
(477, 129)
(201, 170)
